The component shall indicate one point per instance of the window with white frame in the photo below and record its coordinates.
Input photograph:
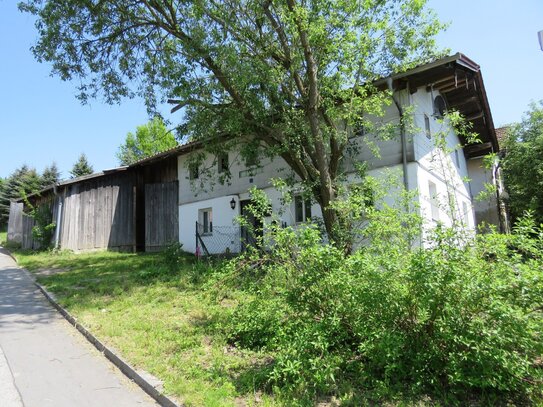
(205, 218)
(434, 201)
(302, 209)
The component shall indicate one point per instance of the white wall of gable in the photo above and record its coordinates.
(486, 210)
(447, 170)
(460, 212)
(240, 182)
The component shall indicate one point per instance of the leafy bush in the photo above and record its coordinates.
(173, 256)
(44, 227)
(455, 321)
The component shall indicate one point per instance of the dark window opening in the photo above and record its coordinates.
(194, 172)
(302, 209)
(427, 126)
(223, 163)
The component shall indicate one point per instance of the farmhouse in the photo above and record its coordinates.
(167, 198)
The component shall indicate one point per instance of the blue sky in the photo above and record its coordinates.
(41, 121)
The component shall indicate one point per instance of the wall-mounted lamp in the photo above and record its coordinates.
(233, 204)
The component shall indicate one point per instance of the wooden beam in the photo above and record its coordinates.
(475, 116)
(474, 148)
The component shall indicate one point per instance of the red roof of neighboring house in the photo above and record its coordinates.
(501, 133)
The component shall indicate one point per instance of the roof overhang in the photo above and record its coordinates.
(459, 80)
(172, 152)
(53, 187)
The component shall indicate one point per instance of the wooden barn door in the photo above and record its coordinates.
(161, 215)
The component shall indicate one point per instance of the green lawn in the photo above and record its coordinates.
(3, 237)
(168, 323)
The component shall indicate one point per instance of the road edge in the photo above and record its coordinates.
(123, 366)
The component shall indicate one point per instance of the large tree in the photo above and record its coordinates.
(523, 164)
(290, 77)
(149, 139)
(81, 167)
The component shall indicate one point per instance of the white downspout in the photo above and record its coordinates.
(59, 218)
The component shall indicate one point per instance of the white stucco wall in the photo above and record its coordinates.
(461, 209)
(226, 231)
(447, 170)
(240, 182)
(486, 210)
(427, 164)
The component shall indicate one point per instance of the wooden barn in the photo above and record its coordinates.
(130, 208)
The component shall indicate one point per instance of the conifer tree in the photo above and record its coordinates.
(81, 167)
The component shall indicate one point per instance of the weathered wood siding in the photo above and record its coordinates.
(47, 203)
(161, 215)
(155, 226)
(124, 210)
(27, 240)
(99, 214)
(15, 223)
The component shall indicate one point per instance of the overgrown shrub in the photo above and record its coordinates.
(173, 256)
(44, 227)
(458, 321)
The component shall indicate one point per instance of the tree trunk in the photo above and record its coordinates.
(336, 227)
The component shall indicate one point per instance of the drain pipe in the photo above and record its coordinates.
(59, 217)
(501, 196)
(402, 132)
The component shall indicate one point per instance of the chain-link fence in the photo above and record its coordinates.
(217, 240)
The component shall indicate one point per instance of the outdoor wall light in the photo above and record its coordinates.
(233, 204)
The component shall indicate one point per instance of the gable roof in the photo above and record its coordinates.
(459, 80)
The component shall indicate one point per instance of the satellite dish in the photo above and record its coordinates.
(540, 35)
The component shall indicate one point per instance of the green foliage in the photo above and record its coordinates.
(3, 236)
(173, 256)
(289, 78)
(50, 176)
(81, 167)
(149, 139)
(460, 320)
(164, 322)
(23, 181)
(523, 164)
(44, 227)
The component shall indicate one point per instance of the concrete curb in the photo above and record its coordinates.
(7, 252)
(124, 367)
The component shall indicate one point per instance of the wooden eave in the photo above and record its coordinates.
(459, 80)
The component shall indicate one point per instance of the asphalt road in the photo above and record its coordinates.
(44, 361)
